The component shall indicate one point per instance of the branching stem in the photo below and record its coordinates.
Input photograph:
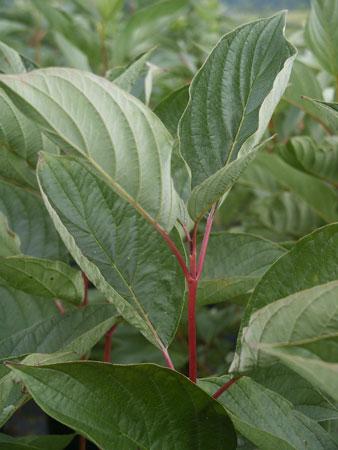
(108, 343)
(225, 387)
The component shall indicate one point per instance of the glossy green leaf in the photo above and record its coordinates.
(92, 116)
(120, 252)
(42, 277)
(9, 241)
(311, 262)
(248, 71)
(318, 159)
(114, 405)
(57, 442)
(267, 419)
(321, 33)
(319, 373)
(306, 319)
(234, 264)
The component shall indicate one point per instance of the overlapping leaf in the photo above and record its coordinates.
(267, 419)
(92, 116)
(248, 71)
(114, 405)
(119, 251)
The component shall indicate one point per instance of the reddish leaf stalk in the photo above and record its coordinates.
(82, 443)
(85, 289)
(59, 306)
(168, 359)
(192, 294)
(225, 386)
(108, 344)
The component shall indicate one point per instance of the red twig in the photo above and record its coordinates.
(192, 291)
(85, 289)
(82, 443)
(225, 386)
(175, 251)
(167, 359)
(108, 344)
(59, 306)
(205, 241)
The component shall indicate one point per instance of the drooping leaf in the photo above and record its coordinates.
(304, 82)
(119, 251)
(321, 33)
(234, 264)
(327, 111)
(311, 262)
(113, 405)
(42, 277)
(9, 241)
(92, 116)
(248, 71)
(316, 193)
(267, 419)
(318, 159)
(52, 442)
(305, 319)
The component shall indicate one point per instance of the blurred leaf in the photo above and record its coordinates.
(57, 442)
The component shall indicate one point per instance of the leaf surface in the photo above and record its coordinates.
(113, 406)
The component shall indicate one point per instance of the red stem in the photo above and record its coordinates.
(175, 251)
(225, 386)
(205, 241)
(59, 306)
(108, 344)
(192, 291)
(82, 443)
(85, 289)
(168, 359)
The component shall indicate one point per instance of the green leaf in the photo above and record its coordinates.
(318, 159)
(92, 116)
(42, 277)
(311, 262)
(121, 253)
(146, 22)
(57, 442)
(10, 60)
(327, 111)
(129, 75)
(225, 279)
(72, 54)
(316, 193)
(320, 373)
(306, 399)
(267, 419)
(248, 71)
(321, 33)
(305, 319)
(9, 241)
(213, 188)
(114, 405)
(171, 108)
(75, 332)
